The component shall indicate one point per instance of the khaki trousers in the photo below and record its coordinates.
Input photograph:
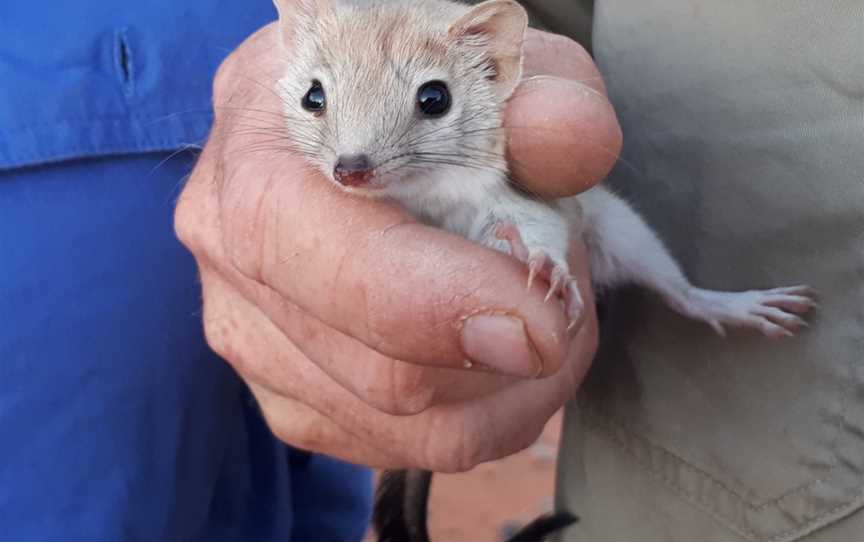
(744, 147)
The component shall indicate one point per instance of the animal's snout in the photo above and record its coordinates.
(353, 170)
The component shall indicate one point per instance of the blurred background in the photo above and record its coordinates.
(494, 499)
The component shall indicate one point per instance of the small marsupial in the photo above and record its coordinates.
(403, 99)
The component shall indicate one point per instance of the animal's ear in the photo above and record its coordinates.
(498, 26)
(299, 16)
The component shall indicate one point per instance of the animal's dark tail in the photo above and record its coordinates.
(401, 505)
(543, 526)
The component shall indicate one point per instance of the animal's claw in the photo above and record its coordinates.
(553, 288)
(573, 303)
(541, 263)
(800, 290)
(561, 283)
(508, 232)
(533, 268)
(775, 313)
(718, 328)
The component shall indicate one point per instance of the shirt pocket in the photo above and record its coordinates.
(767, 438)
(95, 78)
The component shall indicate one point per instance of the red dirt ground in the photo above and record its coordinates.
(477, 506)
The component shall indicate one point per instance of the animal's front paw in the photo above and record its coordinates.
(541, 262)
(775, 313)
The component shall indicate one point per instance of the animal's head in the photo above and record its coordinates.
(380, 92)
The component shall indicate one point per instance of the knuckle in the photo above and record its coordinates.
(473, 443)
(531, 434)
(224, 80)
(186, 224)
(253, 51)
(379, 325)
(410, 390)
(459, 459)
(282, 432)
(304, 436)
(218, 338)
(461, 452)
(220, 333)
(195, 223)
(400, 389)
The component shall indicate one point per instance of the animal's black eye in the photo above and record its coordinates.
(433, 98)
(314, 100)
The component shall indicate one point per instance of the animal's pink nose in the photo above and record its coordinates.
(353, 170)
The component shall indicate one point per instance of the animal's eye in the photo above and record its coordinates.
(433, 98)
(314, 100)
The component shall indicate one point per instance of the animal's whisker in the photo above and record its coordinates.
(185, 148)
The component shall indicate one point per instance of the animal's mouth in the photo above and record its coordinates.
(354, 170)
(354, 178)
(369, 185)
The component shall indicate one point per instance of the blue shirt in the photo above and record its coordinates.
(117, 423)
(93, 77)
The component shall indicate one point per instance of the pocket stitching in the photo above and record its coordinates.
(606, 426)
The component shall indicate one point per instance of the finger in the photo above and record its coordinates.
(236, 331)
(507, 421)
(368, 270)
(299, 402)
(389, 385)
(392, 386)
(303, 427)
(503, 423)
(450, 437)
(546, 53)
(563, 136)
(563, 133)
(378, 380)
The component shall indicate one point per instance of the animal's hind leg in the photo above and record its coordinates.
(544, 261)
(538, 235)
(624, 249)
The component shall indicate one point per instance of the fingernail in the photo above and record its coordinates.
(502, 344)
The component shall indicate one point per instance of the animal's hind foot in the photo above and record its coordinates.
(775, 313)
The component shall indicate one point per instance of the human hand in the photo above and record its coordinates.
(350, 321)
